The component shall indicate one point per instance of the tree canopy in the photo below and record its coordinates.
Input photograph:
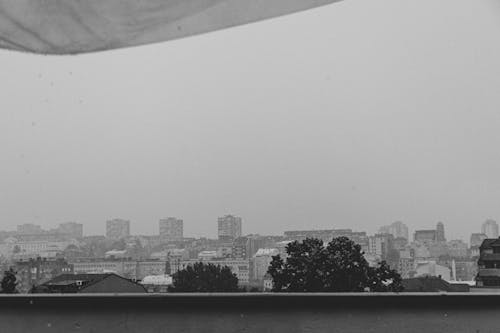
(201, 277)
(337, 267)
(9, 282)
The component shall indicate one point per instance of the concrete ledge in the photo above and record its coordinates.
(364, 312)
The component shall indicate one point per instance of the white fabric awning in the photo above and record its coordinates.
(77, 26)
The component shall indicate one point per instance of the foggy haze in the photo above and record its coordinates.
(352, 115)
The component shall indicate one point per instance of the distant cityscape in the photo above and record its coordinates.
(38, 255)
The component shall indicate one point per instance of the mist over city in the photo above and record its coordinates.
(249, 166)
(287, 137)
(65, 248)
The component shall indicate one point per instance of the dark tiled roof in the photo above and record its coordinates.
(490, 242)
(432, 284)
(74, 283)
(66, 279)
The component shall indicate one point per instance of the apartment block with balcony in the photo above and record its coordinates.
(488, 274)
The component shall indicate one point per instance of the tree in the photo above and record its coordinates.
(202, 277)
(9, 282)
(338, 267)
(383, 279)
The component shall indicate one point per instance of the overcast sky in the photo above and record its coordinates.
(352, 115)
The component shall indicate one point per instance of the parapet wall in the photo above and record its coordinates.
(220, 313)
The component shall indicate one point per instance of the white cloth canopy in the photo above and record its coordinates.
(77, 26)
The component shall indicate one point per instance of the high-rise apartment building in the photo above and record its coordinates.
(171, 229)
(381, 245)
(440, 232)
(490, 228)
(72, 229)
(117, 229)
(229, 227)
(398, 229)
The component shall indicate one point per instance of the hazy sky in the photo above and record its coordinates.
(352, 115)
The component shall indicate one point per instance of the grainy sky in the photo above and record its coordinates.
(352, 115)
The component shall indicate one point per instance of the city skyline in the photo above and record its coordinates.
(243, 226)
(348, 116)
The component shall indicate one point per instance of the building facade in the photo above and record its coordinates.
(488, 274)
(34, 272)
(29, 228)
(381, 245)
(171, 229)
(130, 269)
(431, 268)
(229, 227)
(90, 284)
(72, 229)
(397, 229)
(117, 229)
(406, 267)
(490, 228)
(440, 236)
(476, 239)
(425, 236)
(457, 249)
(260, 264)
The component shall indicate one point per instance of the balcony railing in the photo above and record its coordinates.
(489, 272)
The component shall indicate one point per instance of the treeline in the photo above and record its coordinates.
(309, 267)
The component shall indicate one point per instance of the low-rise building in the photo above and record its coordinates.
(157, 283)
(207, 255)
(476, 239)
(431, 268)
(406, 264)
(425, 236)
(25, 249)
(89, 283)
(130, 269)
(267, 283)
(116, 254)
(457, 249)
(260, 263)
(33, 272)
(432, 284)
(170, 255)
(71, 229)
